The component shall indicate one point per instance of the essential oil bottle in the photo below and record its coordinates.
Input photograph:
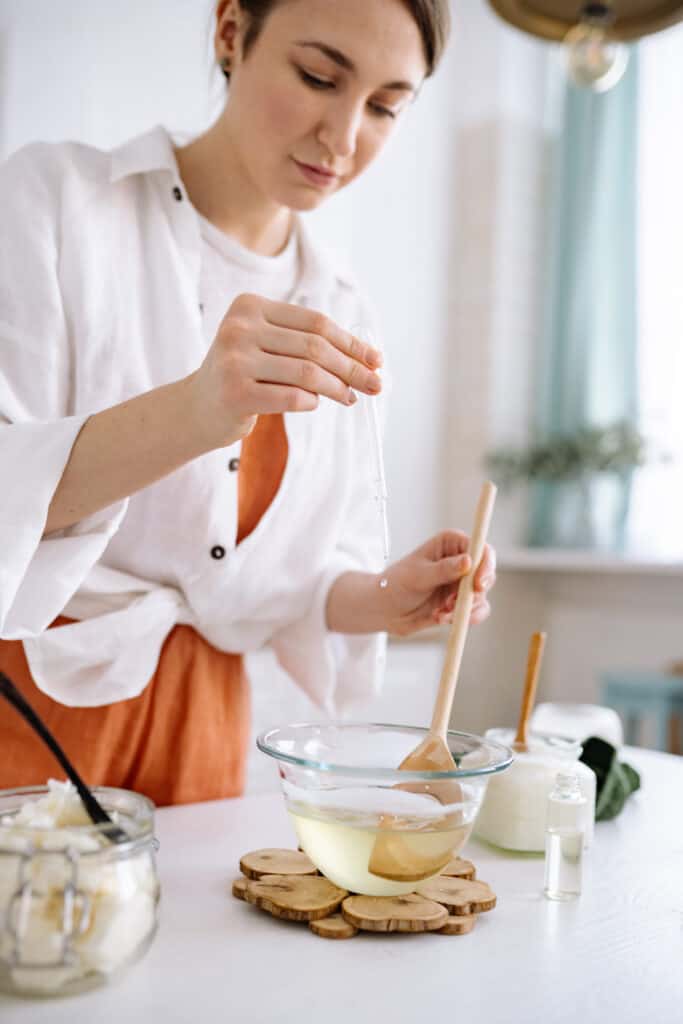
(564, 838)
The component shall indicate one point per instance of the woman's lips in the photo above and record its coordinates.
(316, 175)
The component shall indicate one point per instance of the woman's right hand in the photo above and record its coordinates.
(272, 357)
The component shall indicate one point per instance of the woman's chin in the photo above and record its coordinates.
(302, 200)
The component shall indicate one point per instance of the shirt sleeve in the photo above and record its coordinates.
(340, 672)
(37, 425)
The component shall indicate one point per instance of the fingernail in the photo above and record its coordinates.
(374, 385)
(352, 397)
(375, 358)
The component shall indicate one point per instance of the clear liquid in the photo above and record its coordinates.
(344, 850)
(563, 863)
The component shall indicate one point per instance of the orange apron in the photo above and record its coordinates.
(185, 738)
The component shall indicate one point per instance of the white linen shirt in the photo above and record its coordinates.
(99, 302)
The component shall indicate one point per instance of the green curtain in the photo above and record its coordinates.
(588, 366)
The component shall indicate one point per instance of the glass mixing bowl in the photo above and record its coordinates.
(367, 826)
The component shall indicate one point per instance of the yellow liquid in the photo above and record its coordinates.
(343, 852)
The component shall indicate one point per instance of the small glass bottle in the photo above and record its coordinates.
(564, 838)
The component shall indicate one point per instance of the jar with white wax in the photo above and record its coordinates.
(513, 814)
(75, 908)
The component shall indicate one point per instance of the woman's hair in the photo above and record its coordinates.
(431, 16)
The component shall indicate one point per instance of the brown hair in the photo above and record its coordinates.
(431, 16)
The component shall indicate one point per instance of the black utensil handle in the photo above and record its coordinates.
(95, 810)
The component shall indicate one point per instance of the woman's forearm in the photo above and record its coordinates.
(357, 604)
(125, 448)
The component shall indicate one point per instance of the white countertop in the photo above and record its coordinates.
(614, 957)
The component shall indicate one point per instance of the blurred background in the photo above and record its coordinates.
(522, 242)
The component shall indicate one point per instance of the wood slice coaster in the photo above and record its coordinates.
(295, 897)
(458, 894)
(276, 862)
(239, 888)
(411, 913)
(446, 905)
(334, 927)
(458, 924)
(459, 868)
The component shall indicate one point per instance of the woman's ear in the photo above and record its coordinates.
(229, 19)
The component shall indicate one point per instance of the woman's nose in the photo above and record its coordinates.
(339, 130)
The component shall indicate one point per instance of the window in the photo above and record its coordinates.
(657, 510)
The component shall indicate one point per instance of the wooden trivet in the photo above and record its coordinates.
(286, 884)
(276, 862)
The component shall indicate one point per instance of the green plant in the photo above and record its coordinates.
(612, 449)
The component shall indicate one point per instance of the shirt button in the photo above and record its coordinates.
(234, 465)
(218, 551)
(177, 194)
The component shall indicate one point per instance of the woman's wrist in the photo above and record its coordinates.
(208, 422)
(357, 603)
(199, 422)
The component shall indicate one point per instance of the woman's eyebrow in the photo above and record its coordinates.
(347, 64)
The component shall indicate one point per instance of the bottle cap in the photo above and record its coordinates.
(567, 784)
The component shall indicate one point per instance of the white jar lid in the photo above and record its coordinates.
(543, 743)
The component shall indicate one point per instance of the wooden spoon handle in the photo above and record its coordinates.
(533, 668)
(461, 613)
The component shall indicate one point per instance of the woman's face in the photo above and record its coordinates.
(319, 92)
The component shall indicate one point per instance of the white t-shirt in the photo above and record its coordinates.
(229, 270)
(103, 278)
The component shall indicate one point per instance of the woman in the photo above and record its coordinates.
(189, 483)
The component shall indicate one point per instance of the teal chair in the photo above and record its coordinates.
(640, 694)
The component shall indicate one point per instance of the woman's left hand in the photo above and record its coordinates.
(423, 586)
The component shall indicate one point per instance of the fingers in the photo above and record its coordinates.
(454, 542)
(486, 573)
(481, 609)
(318, 351)
(446, 571)
(309, 321)
(280, 398)
(306, 375)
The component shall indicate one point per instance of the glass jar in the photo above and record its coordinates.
(513, 814)
(75, 908)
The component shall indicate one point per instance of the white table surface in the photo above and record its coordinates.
(615, 956)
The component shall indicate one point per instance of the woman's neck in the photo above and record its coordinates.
(220, 190)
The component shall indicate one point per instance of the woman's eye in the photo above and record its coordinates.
(381, 111)
(314, 81)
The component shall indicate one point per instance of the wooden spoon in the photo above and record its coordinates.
(393, 856)
(533, 668)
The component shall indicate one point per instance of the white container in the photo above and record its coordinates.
(578, 722)
(513, 813)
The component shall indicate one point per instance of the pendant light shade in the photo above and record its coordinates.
(553, 19)
(594, 33)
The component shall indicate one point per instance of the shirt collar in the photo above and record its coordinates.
(152, 151)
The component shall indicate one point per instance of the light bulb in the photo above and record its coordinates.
(594, 60)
